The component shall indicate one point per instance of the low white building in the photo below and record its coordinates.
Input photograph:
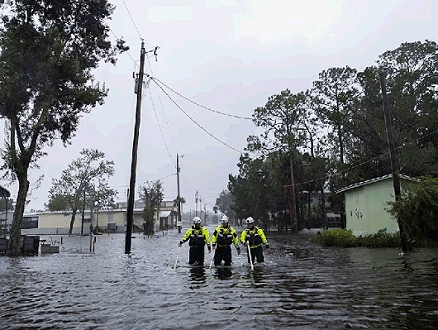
(108, 220)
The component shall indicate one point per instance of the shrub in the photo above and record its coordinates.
(379, 240)
(335, 237)
(345, 238)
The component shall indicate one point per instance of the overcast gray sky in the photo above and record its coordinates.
(229, 56)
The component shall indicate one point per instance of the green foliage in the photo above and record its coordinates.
(335, 237)
(345, 238)
(182, 200)
(379, 240)
(335, 134)
(83, 184)
(336, 94)
(57, 202)
(48, 49)
(417, 209)
(152, 195)
(250, 190)
(224, 203)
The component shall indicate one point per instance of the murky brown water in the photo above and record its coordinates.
(301, 286)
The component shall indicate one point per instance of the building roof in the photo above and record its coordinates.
(4, 193)
(367, 182)
(165, 214)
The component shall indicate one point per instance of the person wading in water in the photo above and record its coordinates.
(224, 235)
(254, 237)
(197, 236)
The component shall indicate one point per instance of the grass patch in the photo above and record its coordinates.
(345, 238)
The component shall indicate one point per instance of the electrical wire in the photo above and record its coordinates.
(132, 20)
(159, 126)
(199, 105)
(194, 121)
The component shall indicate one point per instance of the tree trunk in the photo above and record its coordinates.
(323, 213)
(72, 222)
(292, 199)
(393, 157)
(15, 236)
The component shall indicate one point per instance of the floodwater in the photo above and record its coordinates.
(300, 286)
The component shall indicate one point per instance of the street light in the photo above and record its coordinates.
(179, 222)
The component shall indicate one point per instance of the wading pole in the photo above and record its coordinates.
(250, 257)
(176, 261)
(212, 257)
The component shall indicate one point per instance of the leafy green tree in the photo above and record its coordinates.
(152, 195)
(249, 190)
(367, 145)
(411, 71)
(335, 134)
(48, 49)
(417, 209)
(175, 201)
(412, 76)
(282, 119)
(82, 184)
(311, 178)
(224, 202)
(57, 202)
(336, 93)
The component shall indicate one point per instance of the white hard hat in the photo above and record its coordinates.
(196, 220)
(224, 219)
(249, 220)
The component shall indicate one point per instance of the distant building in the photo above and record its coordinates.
(5, 216)
(108, 220)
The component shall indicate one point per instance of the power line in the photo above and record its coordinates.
(159, 126)
(349, 170)
(199, 105)
(195, 122)
(132, 20)
(165, 117)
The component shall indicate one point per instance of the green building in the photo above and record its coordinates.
(366, 205)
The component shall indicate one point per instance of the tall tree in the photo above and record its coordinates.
(224, 202)
(336, 93)
(249, 189)
(82, 184)
(48, 49)
(366, 149)
(412, 77)
(152, 195)
(282, 119)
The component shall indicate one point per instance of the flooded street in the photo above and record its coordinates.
(300, 286)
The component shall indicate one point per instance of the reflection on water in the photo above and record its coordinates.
(300, 286)
(197, 275)
(223, 273)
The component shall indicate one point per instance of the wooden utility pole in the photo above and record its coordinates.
(196, 204)
(130, 206)
(179, 223)
(393, 156)
(83, 213)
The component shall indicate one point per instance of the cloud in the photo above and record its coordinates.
(159, 14)
(285, 21)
